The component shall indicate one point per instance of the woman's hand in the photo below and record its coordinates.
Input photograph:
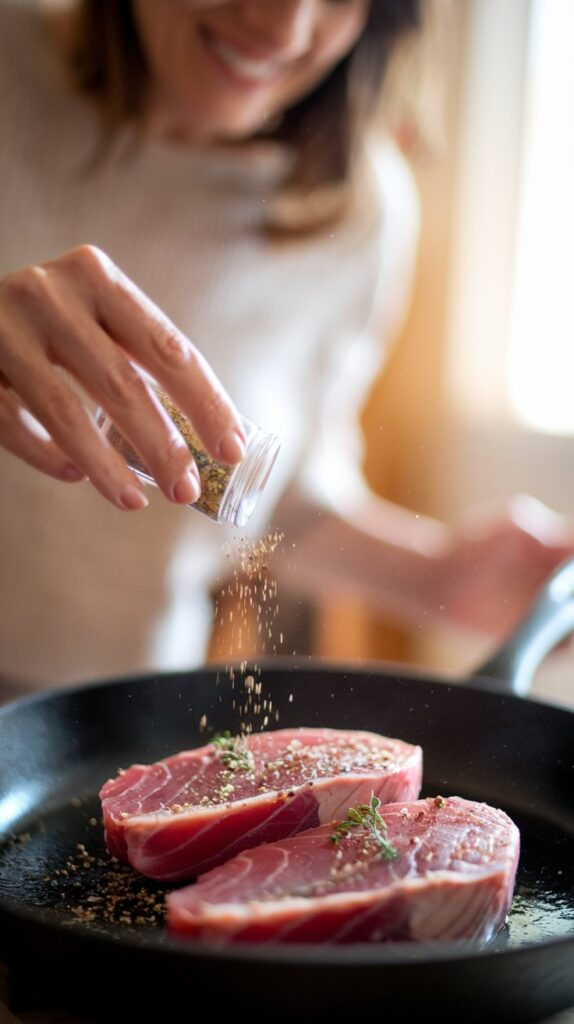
(481, 575)
(494, 564)
(80, 312)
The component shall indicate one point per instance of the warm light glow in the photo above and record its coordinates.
(541, 350)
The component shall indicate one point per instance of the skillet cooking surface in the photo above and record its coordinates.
(57, 750)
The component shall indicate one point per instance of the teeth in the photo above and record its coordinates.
(257, 70)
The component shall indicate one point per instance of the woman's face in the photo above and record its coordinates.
(224, 68)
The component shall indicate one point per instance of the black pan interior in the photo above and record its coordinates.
(57, 750)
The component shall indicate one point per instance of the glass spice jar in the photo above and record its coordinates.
(228, 493)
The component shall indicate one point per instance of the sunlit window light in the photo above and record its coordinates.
(541, 350)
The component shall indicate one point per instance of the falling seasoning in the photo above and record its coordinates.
(228, 493)
(246, 614)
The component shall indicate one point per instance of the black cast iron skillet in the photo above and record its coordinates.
(481, 741)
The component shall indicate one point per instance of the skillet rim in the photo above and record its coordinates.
(295, 663)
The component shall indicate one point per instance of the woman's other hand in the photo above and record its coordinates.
(496, 561)
(81, 313)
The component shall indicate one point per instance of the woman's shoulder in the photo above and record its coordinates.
(391, 184)
(382, 214)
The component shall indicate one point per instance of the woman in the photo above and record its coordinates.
(215, 151)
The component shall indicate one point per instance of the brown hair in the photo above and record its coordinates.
(324, 129)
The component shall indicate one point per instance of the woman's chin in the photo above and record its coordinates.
(216, 128)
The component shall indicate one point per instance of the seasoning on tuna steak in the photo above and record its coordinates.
(442, 869)
(185, 814)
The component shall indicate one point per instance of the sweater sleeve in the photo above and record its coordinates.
(329, 475)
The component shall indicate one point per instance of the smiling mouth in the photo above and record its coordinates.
(243, 70)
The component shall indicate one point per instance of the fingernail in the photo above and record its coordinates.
(187, 489)
(232, 447)
(71, 473)
(132, 498)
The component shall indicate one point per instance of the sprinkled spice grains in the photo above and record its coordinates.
(228, 493)
(245, 619)
(98, 891)
(236, 772)
(118, 895)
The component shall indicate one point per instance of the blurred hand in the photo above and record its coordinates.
(80, 312)
(495, 563)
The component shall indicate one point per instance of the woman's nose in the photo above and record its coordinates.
(283, 25)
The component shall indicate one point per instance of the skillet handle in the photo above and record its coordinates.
(550, 620)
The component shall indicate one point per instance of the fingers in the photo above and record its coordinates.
(136, 323)
(81, 313)
(548, 527)
(26, 438)
(67, 423)
(85, 350)
(25, 366)
(519, 536)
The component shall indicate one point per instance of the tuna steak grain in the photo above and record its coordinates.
(184, 815)
(435, 869)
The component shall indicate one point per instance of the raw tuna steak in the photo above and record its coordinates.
(196, 809)
(445, 869)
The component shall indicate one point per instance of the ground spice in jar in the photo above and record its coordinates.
(228, 493)
(214, 476)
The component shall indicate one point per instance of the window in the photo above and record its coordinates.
(511, 322)
(540, 367)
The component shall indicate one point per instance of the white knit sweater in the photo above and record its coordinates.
(293, 331)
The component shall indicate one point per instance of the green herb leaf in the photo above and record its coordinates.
(222, 739)
(233, 751)
(367, 816)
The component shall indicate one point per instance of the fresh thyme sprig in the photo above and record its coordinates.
(367, 816)
(233, 751)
